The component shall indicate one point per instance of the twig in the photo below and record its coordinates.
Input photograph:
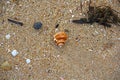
(15, 22)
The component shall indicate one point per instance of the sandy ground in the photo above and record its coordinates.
(91, 52)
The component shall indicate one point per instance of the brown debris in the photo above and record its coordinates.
(6, 66)
(108, 45)
(103, 15)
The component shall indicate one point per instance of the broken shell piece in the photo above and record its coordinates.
(60, 38)
(6, 66)
(14, 53)
(28, 61)
(7, 36)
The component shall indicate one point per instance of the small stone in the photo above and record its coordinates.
(7, 36)
(92, 26)
(96, 32)
(58, 55)
(1, 44)
(118, 38)
(57, 25)
(8, 2)
(73, 16)
(56, 30)
(8, 50)
(6, 66)
(70, 11)
(90, 50)
(28, 61)
(37, 25)
(14, 53)
(81, 14)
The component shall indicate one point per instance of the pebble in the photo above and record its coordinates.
(58, 55)
(73, 16)
(56, 30)
(118, 38)
(90, 50)
(14, 53)
(96, 32)
(8, 2)
(8, 50)
(28, 61)
(7, 36)
(1, 44)
(57, 25)
(70, 11)
(37, 25)
(61, 78)
(80, 14)
(92, 26)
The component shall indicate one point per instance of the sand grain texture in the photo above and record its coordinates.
(91, 52)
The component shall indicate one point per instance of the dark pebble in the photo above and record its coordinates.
(37, 25)
(57, 26)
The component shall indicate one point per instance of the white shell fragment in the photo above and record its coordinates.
(7, 36)
(70, 11)
(73, 16)
(28, 61)
(118, 38)
(14, 53)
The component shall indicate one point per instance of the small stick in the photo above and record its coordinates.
(16, 22)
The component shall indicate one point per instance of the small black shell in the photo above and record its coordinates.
(37, 25)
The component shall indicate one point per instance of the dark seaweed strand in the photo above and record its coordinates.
(102, 15)
(16, 22)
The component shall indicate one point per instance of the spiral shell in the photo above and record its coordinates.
(60, 38)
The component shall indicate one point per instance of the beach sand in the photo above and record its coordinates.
(91, 52)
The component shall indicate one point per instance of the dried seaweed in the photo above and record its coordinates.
(103, 15)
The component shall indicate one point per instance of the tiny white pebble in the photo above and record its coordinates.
(8, 50)
(118, 38)
(90, 50)
(16, 68)
(83, 14)
(80, 14)
(96, 32)
(7, 36)
(70, 11)
(58, 55)
(73, 15)
(8, 2)
(27, 61)
(13, 33)
(56, 30)
(44, 55)
(1, 44)
(20, 5)
(14, 53)
(92, 26)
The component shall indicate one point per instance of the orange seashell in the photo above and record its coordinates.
(60, 38)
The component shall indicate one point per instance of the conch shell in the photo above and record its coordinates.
(60, 38)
